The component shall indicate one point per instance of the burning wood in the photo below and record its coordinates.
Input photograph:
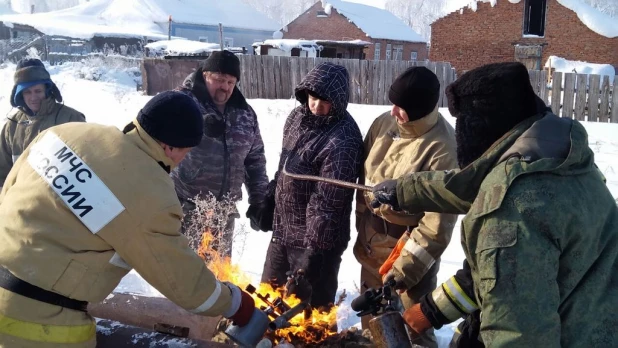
(311, 326)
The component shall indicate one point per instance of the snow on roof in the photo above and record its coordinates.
(288, 44)
(230, 13)
(569, 66)
(115, 18)
(138, 18)
(597, 21)
(377, 23)
(346, 42)
(182, 47)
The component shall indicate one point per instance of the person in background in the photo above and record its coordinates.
(83, 206)
(412, 137)
(311, 227)
(38, 105)
(540, 233)
(231, 153)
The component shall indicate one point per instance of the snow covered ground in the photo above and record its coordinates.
(113, 100)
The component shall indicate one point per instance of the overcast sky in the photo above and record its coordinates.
(376, 3)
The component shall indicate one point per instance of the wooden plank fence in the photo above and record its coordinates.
(272, 77)
(579, 96)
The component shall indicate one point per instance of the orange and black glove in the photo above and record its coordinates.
(386, 270)
(417, 321)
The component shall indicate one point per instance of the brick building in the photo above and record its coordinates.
(339, 20)
(528, 31)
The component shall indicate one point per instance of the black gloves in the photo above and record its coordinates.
(261, 215)
(386, 193)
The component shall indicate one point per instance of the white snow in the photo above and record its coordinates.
(287, 45)
(141, 18)
(113, 100)
(573, 66)
(278, 35)
(597, 21)
(182, 47)
(377, 23)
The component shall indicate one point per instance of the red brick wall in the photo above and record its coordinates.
(337, 27)
(488, 35)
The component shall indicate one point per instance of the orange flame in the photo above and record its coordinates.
(316, 329)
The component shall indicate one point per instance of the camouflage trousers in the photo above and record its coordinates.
(223, 238)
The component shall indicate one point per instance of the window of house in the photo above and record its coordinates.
(228, 42)
(376, 52)
(534, 17)
(398, 52)
(413, 55)
(203, 38)
(388, 51)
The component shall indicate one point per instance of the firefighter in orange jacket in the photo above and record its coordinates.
(83, 206)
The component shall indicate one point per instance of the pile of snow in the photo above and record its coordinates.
(287, 45)
(377, 23)
(574, 66)
(182, 47)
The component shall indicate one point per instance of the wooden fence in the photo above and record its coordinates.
(579, 96)
(273, 77)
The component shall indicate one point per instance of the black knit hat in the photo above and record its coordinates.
(173, 118)
(416, 91)
(224, 62)
(499, 93)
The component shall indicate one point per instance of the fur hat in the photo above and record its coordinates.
(173, 118)
(499, 93)
(416, 91)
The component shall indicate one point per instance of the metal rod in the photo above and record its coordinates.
(337, 182)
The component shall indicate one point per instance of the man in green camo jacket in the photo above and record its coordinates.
(541, 228)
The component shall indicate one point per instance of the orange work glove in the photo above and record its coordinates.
(415, 318)
(388, 264)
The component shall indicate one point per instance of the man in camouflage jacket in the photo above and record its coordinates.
(231, 152)
(541, 228)
(311, 226)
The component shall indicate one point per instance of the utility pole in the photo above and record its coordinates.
(221, 36)
(169, 28)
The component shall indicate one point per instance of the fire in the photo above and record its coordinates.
(318, 327)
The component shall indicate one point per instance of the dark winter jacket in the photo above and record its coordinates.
(230, 154)
(309, 214)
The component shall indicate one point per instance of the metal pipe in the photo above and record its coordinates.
(337, 182)
(284, 318)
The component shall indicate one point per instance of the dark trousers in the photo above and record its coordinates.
(321, 269)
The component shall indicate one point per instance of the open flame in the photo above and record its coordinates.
(318, 327)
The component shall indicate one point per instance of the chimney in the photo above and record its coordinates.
(31, 9)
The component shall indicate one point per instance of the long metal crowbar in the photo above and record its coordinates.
(337, 182)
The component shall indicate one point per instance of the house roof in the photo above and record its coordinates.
(597, 21)
(139, 18)
(377, 23)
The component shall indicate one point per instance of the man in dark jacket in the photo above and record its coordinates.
(312, 220)
(231, 152)
(541, 228)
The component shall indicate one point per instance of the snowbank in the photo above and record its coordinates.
(182, 47)
(377, 23)
(287, 45)
(573, 66)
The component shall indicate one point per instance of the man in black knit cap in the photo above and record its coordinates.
(412, 137)
(231, 152)
(84, 205)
